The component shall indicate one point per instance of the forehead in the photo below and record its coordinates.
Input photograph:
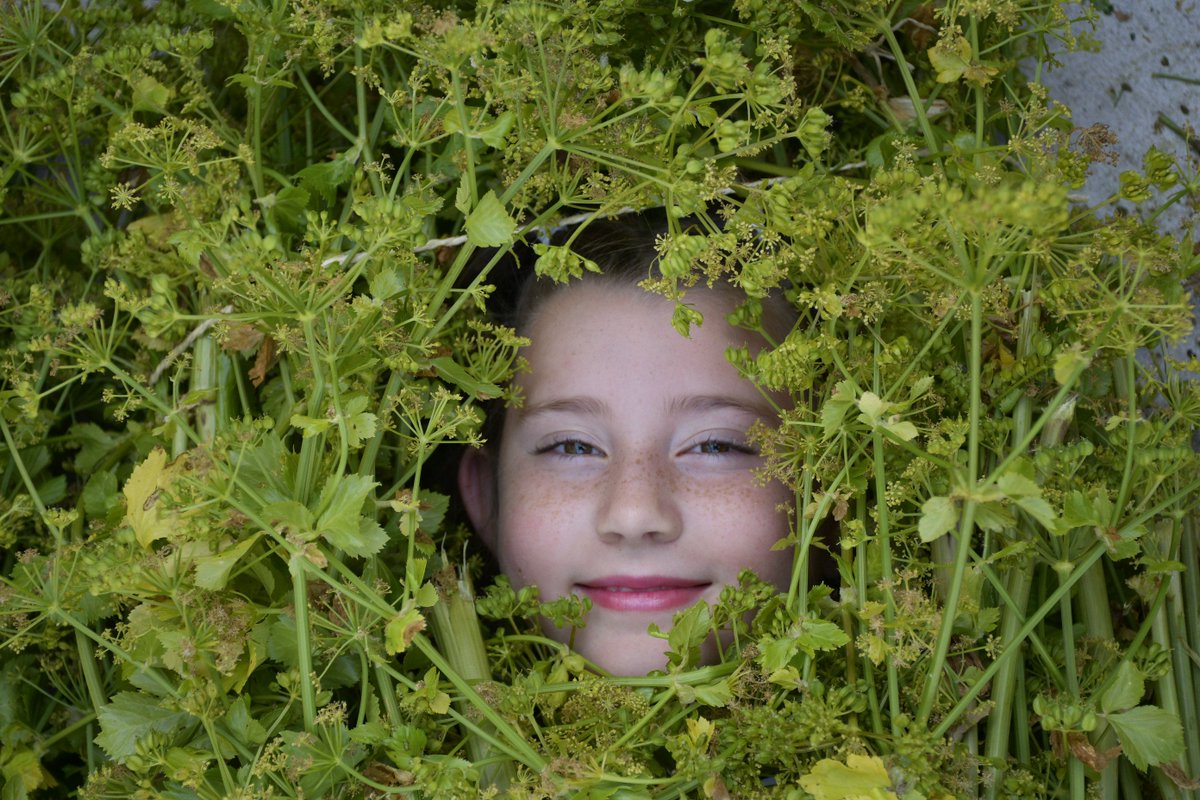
(594, 338)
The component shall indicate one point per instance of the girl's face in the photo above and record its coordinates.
(626, 476)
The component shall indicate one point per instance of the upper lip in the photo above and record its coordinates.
(642, 583)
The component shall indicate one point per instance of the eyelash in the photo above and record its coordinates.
(560, 445)
(728, 448)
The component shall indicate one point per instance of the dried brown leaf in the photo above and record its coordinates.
(263, 362)
(243, 338)
(1085, 751)
(1179, 777)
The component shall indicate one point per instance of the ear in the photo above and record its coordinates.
(477, 487)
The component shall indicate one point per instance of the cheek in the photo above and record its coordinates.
(743, 520)
(536, 520)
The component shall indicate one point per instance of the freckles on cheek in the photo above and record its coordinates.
(537, 523)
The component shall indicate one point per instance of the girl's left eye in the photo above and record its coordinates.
(717, 447)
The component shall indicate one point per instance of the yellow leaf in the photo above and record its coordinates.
(860, 778)
(951, 57)
(142, 492)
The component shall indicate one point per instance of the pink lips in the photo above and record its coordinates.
(643, 592)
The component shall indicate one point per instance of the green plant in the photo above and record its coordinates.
(234, 335)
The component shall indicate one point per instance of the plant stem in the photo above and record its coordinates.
(456, 627)
(967, 522)
(308, 701)
(1017, 584)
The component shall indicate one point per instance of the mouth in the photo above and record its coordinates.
(643, 593)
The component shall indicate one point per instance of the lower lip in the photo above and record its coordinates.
(644, 599)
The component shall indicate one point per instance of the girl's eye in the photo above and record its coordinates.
(570, 447)
(716, 447)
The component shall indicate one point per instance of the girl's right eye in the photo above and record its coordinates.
(569, 447)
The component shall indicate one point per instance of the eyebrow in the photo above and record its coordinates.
(720, 402)
(590, 406)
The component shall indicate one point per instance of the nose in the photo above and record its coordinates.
(639, 503)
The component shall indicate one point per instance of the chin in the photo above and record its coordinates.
(636, 659)
(629, 660)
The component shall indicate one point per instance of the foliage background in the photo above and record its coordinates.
(236, 329)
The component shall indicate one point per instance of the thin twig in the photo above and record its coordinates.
(179, 349)
(1168, 77)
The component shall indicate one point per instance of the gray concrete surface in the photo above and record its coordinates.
(1133, 85)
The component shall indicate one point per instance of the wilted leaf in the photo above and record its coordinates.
(142, 493)
(860, 777)
(1082, 748)
(399, 633)
(262, 362)
(951, 57)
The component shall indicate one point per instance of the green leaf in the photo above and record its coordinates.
(1040, 510)
(1127, 688)
(938, 516)
(449, 370)
(688, 631)
(131, 717)
(872, 406)
(97, 492)
(325, 178)
(291, 514)
(775, 654)
(716, 694)
(426, 596)
(819, 634)
(903, 430)
(360, 423)
(242, 725)
(386, 283)
(919, 388)
(281, 641)
(212, 572)
(1148, 735)
(835, 408)
(342, 523)
(23, 773)
(489, 225)
(312, 426)
(289, 206)
(149, 94)
(493, 135)
(993, 517)
(462, 195)
(1016, 485)
(1078, 511)
(1069, 363)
